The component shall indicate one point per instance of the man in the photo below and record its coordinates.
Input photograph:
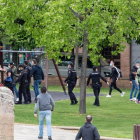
(88, 131)
(71, 81)
(38, 76)
(133, 82)
(96, 85)
(46, 104)
(29, 72)
(22, 79)
(137, 101)
(13, 70)
(114, 76)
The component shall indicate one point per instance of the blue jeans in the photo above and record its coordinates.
(45, 115)
(138, 97)
(16, 91)
(36, 87)
(134, 86)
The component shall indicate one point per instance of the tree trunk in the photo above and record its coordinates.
(76, 58)
(82, 106)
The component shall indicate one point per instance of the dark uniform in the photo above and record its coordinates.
(96, 85)
(114, 75)
(29, 72)
(22, 79)
(71, 80)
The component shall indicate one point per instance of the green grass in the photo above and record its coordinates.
(114, 118)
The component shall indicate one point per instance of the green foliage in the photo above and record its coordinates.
(50, 23)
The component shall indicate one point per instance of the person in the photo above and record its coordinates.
(88, 131)
(38, 76)
(114, 76)
(137, 80)
(8, 82)
(29, 72)
(13, 70)
(22, 79)
(46, 105)
(96, 85)
(71, 81)
(132, 77)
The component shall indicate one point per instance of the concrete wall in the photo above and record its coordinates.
(6, 114)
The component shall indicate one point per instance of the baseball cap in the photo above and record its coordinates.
(12, 63)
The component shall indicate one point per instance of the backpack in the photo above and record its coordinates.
(29, 75)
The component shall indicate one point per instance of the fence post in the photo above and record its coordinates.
(136, 132)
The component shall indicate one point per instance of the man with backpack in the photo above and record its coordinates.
(38, 76)
(29, 73)
(114, 76)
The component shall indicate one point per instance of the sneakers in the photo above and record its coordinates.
(137, 102)
(122, 94)
(131, 99)
(108, 96)
(49, 138)
(134, 99)
(40, 137)
(17, 100)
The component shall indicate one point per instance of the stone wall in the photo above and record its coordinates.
(6, 114)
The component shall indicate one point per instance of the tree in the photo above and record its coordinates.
(50, 23)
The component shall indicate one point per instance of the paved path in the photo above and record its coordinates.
(30, 132)
(61, 96)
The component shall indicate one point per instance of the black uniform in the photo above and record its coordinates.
(71, 80)
(29, 73)
(96, 85)
(114, 75)
(22, 79)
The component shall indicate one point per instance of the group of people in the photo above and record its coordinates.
(24, 80)
(96, 84)
(135, 81)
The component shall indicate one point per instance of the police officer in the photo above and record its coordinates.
(96, 85)
(22, 79)
(71, 81)
(29, 73)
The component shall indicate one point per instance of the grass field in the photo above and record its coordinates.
(114, 118)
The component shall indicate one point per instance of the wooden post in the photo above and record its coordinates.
(57, 70)
(136, 132)
(47, 71)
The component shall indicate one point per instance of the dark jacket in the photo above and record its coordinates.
(37, 72)
(29, 72)
(114, 74)
(95, 76)
(22, 79)
(88, 132)
(72, 76)
(132, 76)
